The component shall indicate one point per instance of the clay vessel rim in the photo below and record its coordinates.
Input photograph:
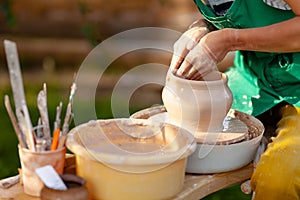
(223, 79)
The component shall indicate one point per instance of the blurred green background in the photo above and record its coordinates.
(54, 37)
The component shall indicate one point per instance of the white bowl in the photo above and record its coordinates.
(219, 158)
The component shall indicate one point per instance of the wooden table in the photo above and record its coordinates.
(196, 186)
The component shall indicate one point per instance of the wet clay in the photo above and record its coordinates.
(198, 106)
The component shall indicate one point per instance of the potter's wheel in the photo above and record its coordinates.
(233, 131)
(236, 126)
(220, 157)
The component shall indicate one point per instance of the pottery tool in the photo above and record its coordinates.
(18, 93)
(39, 129)
(67, 119)
(65, 127)
(41, 145)
(42, 106)
(56, 134)
(50, 178)
(9, 182)
(57, 116)
(55, 139)
(14, 122)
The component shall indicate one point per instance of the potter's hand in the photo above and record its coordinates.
(197, 52)
(196, 64)
(184, 49)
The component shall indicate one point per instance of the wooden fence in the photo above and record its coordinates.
(65, 29)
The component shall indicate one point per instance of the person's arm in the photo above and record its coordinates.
(279, 37)
(212, 47)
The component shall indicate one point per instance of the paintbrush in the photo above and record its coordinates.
(65, 127)
(42, 106)
(67, 119)
(14, 122)
(57, 116)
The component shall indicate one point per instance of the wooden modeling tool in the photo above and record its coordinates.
(18, 93)
(14, 122)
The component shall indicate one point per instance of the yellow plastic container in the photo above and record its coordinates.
(131, 158)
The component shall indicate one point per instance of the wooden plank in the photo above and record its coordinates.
(196, 186)
(199, 186)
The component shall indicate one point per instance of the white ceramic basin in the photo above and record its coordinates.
(219, 158)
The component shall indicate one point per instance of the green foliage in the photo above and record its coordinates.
(89, 30)
(83, 8)
(8, 13)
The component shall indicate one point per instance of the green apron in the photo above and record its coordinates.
(258, 80)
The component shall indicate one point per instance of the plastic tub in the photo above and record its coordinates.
(130, 158)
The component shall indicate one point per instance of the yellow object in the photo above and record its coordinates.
(105, 182)
(277, 175)
(131, 158)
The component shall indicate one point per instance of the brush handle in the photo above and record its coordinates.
(14, 121)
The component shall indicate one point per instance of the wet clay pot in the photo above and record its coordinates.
(198, 106)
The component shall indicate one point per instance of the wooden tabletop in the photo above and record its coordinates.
(196, 186)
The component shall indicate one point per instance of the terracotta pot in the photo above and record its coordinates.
(76, 189)
(198, 106)
(32, 184)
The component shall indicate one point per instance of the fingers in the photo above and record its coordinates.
(177, 59)
(191, 72)
(185, 44)
(194, 74)
(185, 67)
(180, 51)
(190, 68)
(196, 65)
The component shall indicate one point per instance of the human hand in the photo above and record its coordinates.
(197, 52)
(185, 51)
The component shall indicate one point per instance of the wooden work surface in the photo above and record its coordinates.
(196, 186)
